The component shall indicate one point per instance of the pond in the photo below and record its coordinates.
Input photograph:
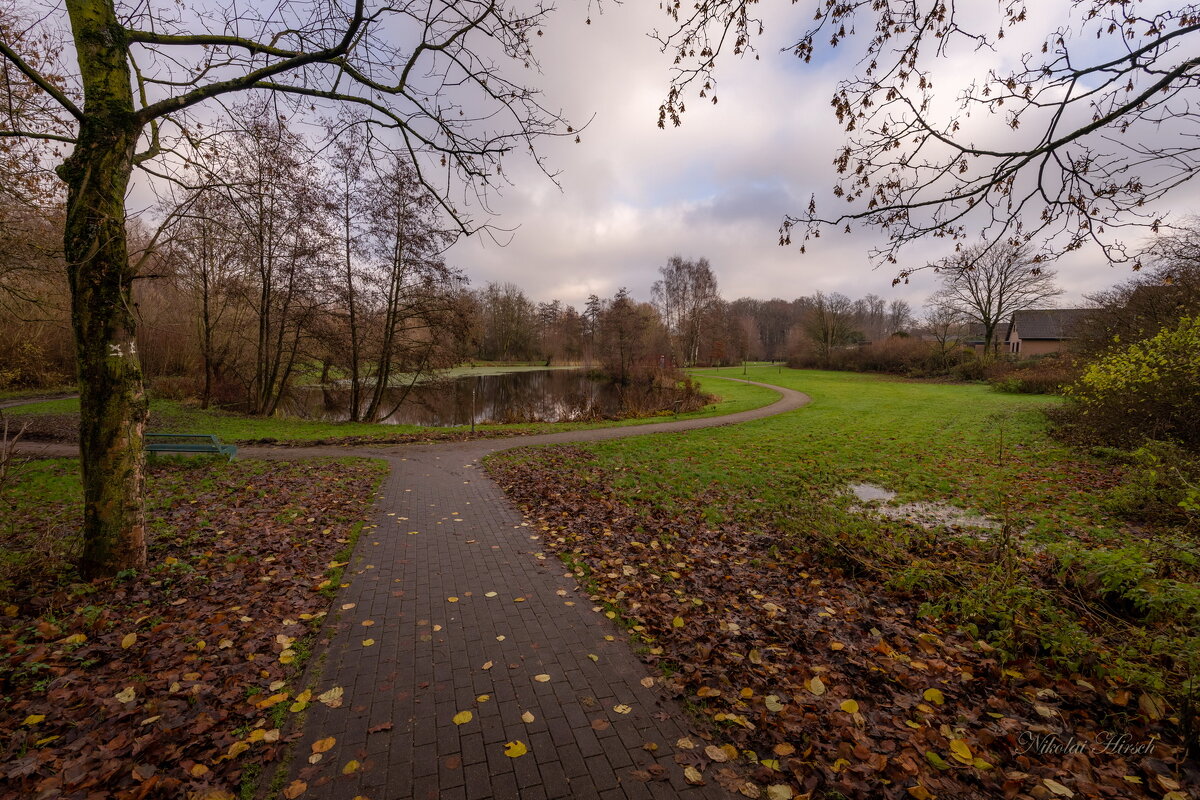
(551, 395)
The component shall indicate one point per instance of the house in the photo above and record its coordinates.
(1038, 332)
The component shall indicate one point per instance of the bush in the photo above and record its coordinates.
(1145, 391)
(1162, 485)
(1039, 375)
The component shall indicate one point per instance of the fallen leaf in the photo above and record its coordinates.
(515, 749)
(323, 745)
(527, 717)
(693, 776)
(129, 640)
(33, 719)
(780, 791)
(332, 697)
(127, 695)
(463, 717)
(543, 678)
(850, 706)
(647, 682)
(1057, 788)
(816, 686)
(295, 789)
(716, 753)
(935, 696)
(622, 709)
(351, 767)
(368, 642)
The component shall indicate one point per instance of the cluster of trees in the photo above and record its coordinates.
(287, 263)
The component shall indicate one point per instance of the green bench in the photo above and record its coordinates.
(188, 443)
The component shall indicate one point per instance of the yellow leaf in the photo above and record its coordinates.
(677, 622)
(273, 700)
(483, 698)
(33, 719)
(685, 744)
(961, 751)
(816, 686)
(780, 792)
(350, 768)
(527, 717)
(784, 749)
(622, 709)
(332, 697)
(368, 642)
(920, 792)
(840, 764)
(487, 665)
(236, 749)
(128, 641)
(256, 735)
(772, 703)
(515, 749)
(324, 745)
(451, 599)
(849, 706)
(693, 776)
(462, 718)
(127, 695)
(647, 682)
(46, 740)
(543, 678)
(75, 638)
(935, 696)
(11, 611)
(198, 770)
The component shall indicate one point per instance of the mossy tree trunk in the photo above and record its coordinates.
(113, 404)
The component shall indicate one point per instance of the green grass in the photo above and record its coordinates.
(175, 417)
(926, 441)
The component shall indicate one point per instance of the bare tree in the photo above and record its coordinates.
(947, 328)
(986, 285)
(685, 295)
(1094, 128)
(143, 69)
(829, 323)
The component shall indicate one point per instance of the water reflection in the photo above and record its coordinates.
(536, 396)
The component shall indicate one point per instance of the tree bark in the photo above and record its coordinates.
(112, 402)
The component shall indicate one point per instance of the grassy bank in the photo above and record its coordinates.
(745, 565)
(58, 416)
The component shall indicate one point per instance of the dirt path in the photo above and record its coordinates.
(457, 600)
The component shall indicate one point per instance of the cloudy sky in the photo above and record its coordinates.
(631, 195)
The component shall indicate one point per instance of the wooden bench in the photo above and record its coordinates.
(188, 443)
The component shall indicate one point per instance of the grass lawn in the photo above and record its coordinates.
(184, 679)
(173, 417)
(879, 652)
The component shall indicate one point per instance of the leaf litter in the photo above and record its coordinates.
(167, 683)
(831, 671)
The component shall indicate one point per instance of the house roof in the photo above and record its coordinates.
(1051, 323)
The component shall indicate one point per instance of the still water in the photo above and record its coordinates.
(560, 395)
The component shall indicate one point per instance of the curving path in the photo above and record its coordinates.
(444, 530)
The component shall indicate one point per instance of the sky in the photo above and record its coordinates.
(630, 195)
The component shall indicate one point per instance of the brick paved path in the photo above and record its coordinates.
(444, 530)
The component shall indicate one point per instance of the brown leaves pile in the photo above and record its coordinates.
(170, 682)
(825, 682)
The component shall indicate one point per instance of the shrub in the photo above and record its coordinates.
(1147, 390)
(1039, 375)
(1162, 485)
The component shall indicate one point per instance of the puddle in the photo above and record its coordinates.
(927, 515)
(869, 492)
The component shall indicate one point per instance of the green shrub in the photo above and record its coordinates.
(1142, 392)
(1162, 485)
